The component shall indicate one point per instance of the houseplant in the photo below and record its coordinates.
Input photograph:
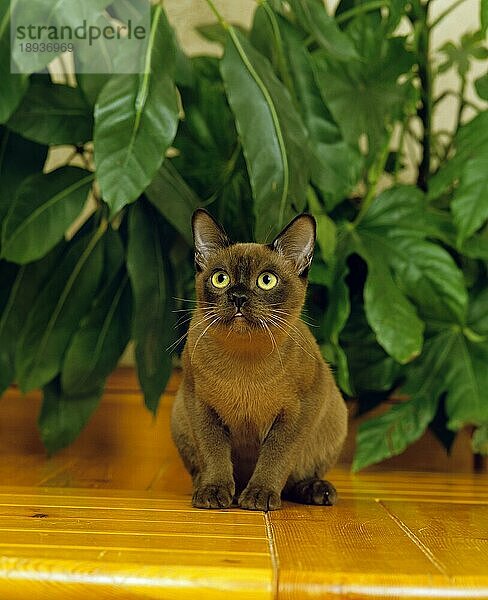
(305, 111)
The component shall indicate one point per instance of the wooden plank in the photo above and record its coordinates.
(457, 538)
(323, 549)
(49, 579)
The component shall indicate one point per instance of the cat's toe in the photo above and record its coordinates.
(259, 498)
(212, 496)
(313, 491)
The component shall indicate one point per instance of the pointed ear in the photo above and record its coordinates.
(296, 242)
(208, 236)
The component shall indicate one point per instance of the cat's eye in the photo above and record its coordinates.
(220, 279)
(267, 281)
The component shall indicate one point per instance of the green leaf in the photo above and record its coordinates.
(326, 228)
(63, 417)
(391, 316)
(481, 85)
(484, 15)
(53, 114)
(470, 203)
(335, 318)
(479, 441)
(174, 199)
(151, 327)
(17, 297)
(90, 85)
(214, 32)
(12, 170)
(466, 378)
(404, 423)
(335, 166)
(43, 209)
(396, 225)
(312, 16)
(272, 135)
(13, 85)
(470, 142)
(336, 169)
(136, 118)
(363, 95)
(98, 344)
(390, 433)
(57, 310)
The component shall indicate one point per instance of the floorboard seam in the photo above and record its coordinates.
(416, 540)
(275, 562)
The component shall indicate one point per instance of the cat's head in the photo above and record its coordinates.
(248, 287)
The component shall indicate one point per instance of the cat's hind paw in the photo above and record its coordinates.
(256, 497)
(312, 491)
(212, 496)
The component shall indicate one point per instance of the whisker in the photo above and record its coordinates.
(295, 329)
(300, 318)
(174, 344)
(276, 324)
(202, 334)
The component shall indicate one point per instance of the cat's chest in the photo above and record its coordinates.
(246, 399)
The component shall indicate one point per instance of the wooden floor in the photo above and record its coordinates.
(111, 518)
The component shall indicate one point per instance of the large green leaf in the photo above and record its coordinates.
(43, 209)
(364, 96)
(101, 339)
(136, 118)
(335, 166)
(16, 299)
(174, 199)
(13, 86)
(390, 433)
(62, 417)
(12, 170)
(453, 363)
(392, 317)
(53, 114)
(470, 203)
(152, 322)
(397, 227)
(312, 16)
(57, 310)
(272, 135)
(484, 15)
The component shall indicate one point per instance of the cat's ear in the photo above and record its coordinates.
(296, 242)
(208, 236)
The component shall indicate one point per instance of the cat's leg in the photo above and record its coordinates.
(213, 482)
(273, 466)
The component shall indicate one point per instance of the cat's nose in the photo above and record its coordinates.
(239, 300)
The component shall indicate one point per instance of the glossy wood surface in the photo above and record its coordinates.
(111, 517)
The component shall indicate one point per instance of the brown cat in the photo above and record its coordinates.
(258, 413)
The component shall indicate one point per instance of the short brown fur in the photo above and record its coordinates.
(258, 413)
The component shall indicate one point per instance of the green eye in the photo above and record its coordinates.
(220, 279)
(267, 281)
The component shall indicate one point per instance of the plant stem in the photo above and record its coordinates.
(425, 111)
(215, 11)
(448, 10)
(360, 9)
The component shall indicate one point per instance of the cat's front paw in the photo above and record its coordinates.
(256, 497)
(213, 496)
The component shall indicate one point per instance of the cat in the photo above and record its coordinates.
(257, 416)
